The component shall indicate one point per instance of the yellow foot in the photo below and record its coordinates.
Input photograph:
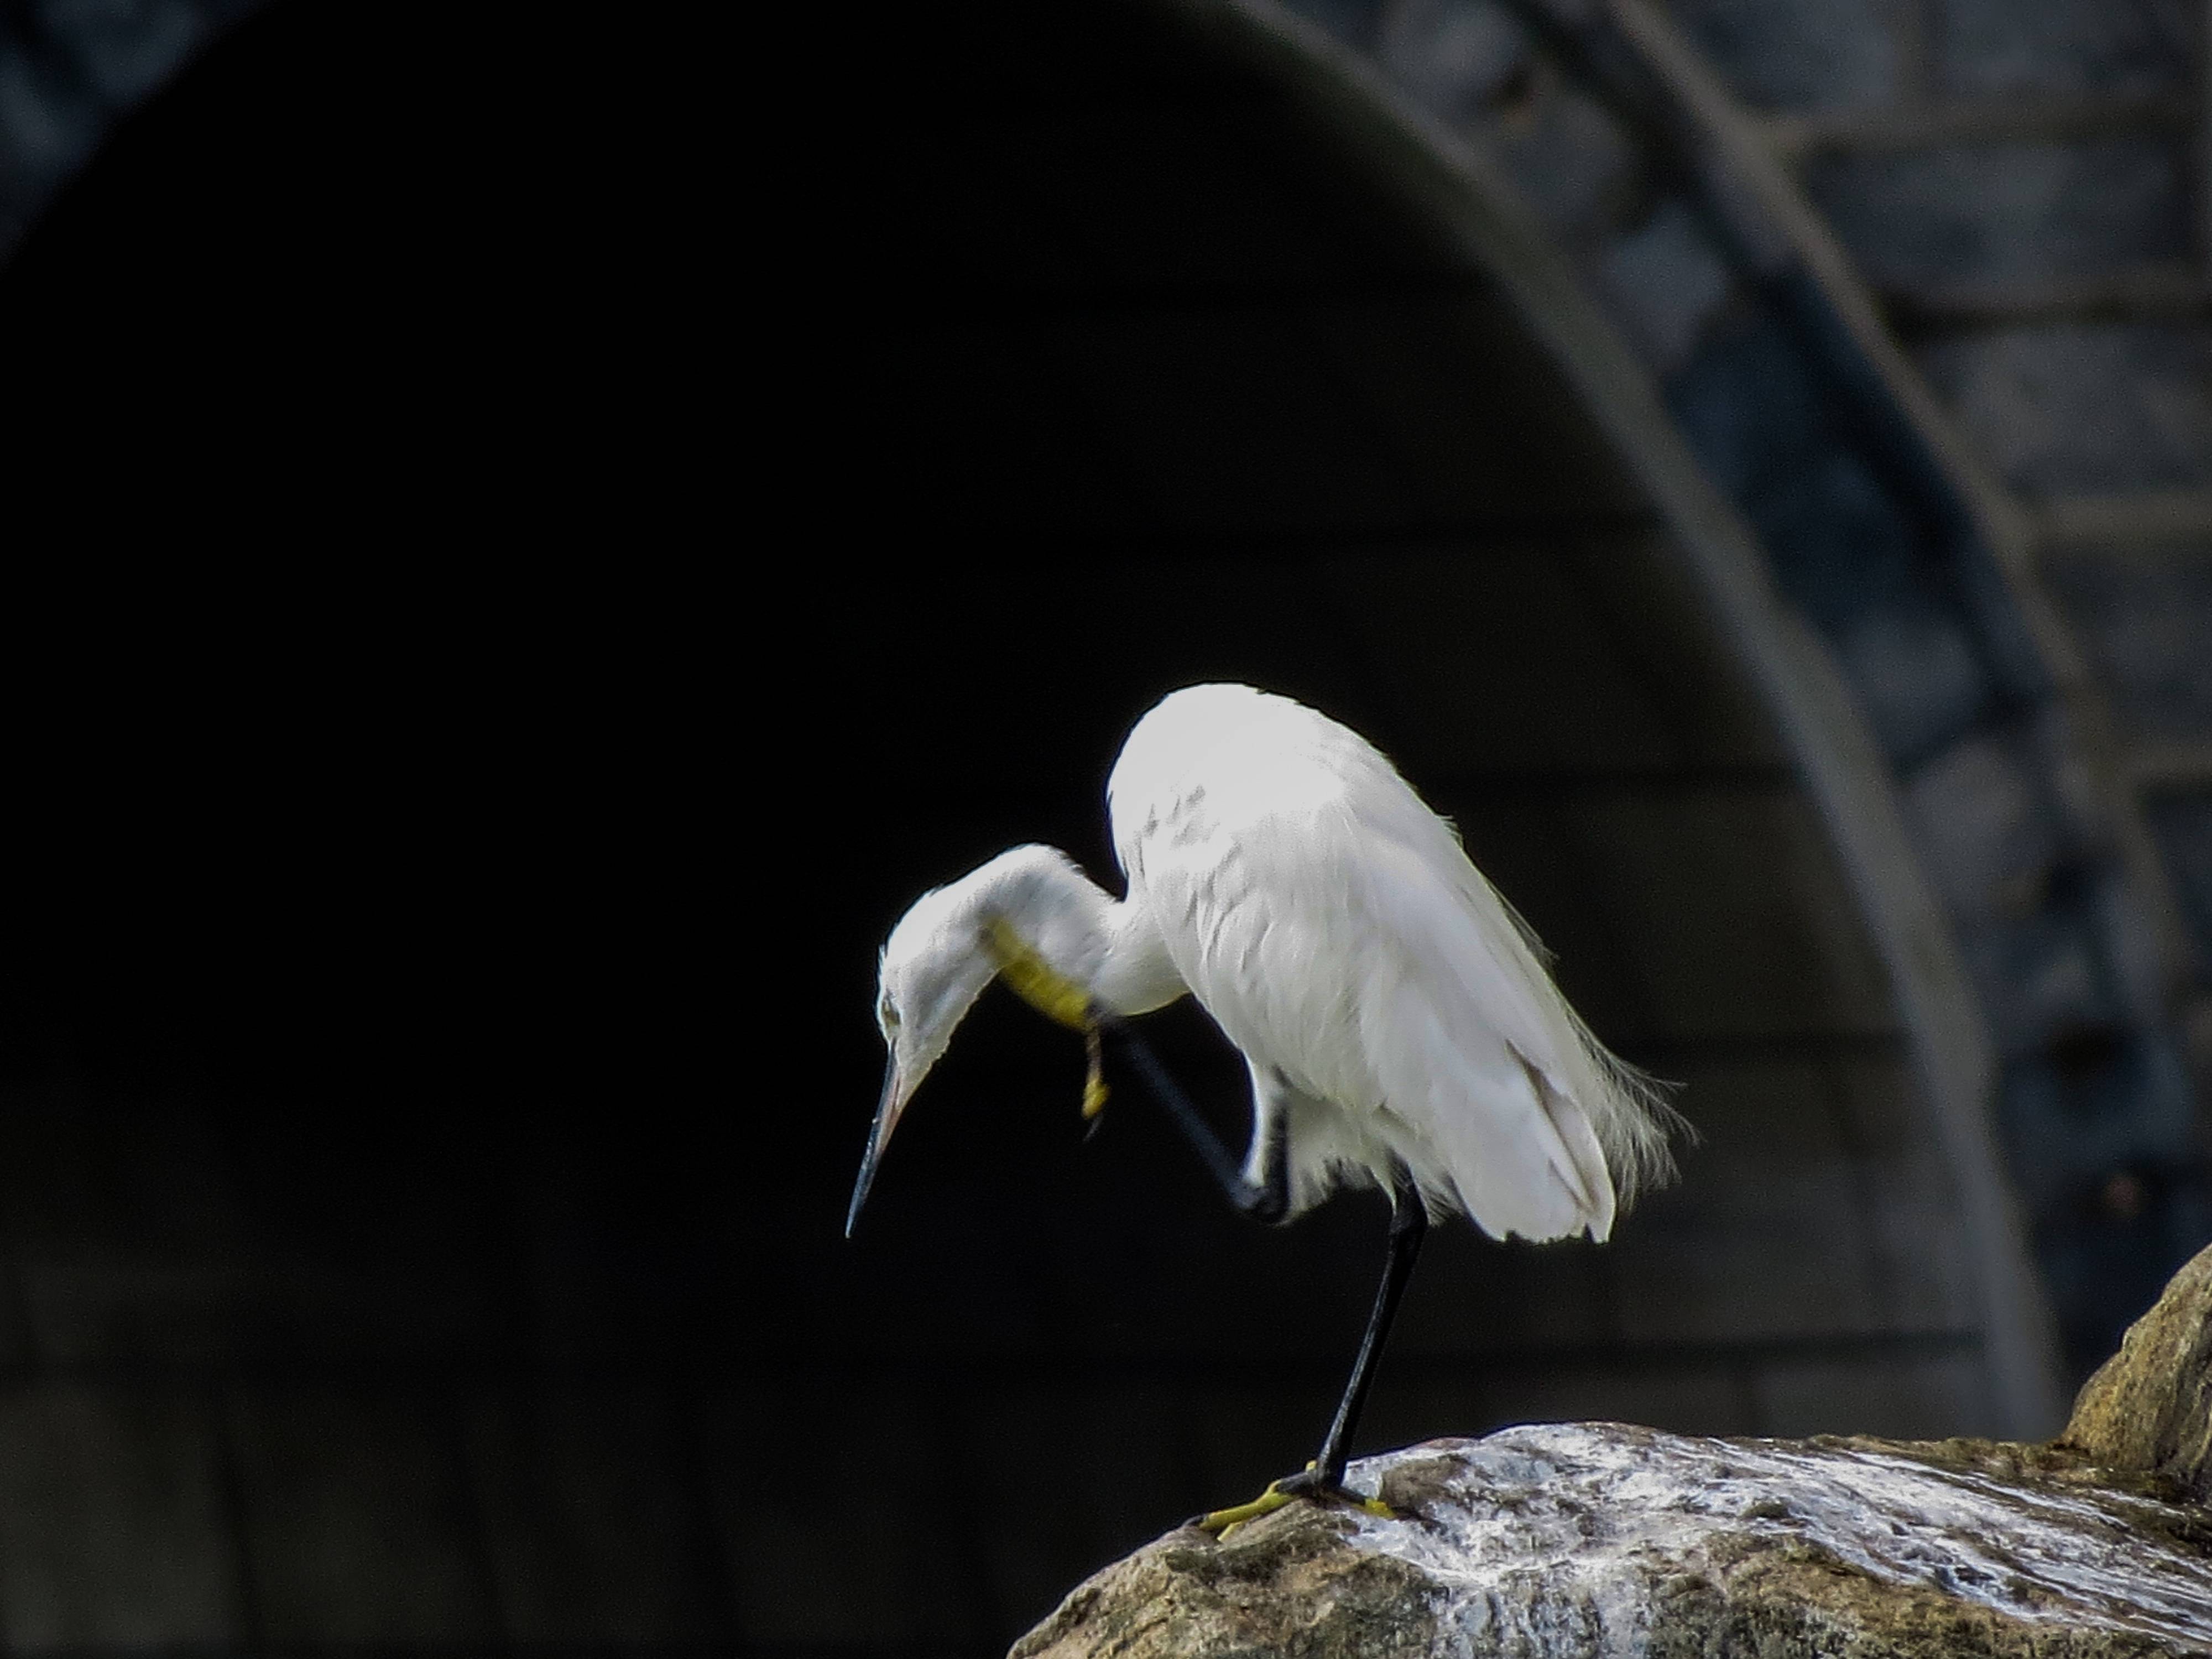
(1222, 1522)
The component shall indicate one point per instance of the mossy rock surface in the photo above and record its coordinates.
(1603, 1539)
(1594, 1539)
(2149, 1407)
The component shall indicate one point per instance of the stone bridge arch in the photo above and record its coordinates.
(1923, 289)
(1400, 358)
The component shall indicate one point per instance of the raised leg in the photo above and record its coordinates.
(1266, 1199)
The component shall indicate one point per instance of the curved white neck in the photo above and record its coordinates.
(1106, 945)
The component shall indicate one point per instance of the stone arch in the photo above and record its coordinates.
(1840, 756)
(1398, 462)
(1919, 551)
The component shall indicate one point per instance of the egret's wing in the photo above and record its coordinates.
(1450, 1041)
(1332, 925)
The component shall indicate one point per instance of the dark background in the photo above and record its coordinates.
(363, 709)
(538, 540)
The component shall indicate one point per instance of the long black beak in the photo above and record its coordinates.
(888, 1108)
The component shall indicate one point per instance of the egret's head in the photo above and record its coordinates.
(934, 967)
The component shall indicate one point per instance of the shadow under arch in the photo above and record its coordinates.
(1145, 345)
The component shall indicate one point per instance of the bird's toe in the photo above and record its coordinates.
(1308, 1484)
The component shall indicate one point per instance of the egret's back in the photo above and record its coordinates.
(1334, 928)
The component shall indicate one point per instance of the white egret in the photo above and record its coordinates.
(1395, 1014)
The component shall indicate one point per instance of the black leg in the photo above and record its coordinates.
(1268, 1200)
(1409, 1225)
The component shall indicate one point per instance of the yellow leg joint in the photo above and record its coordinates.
(1094, 1078)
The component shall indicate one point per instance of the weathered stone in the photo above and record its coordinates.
(1798, 55)
(2083, 406)
(1452, 56)
(1984, 46)
(2146, 620)
(1601, 1539)
(1917, 671)
(1988, 835)
(2183, 825)
(2006, 212)
(2149, 1407)
(1288, 1587)
(1663, 283)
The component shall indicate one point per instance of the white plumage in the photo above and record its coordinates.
(1335, 929)
(1395, 1013)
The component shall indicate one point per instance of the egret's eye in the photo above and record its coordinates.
(887, 1015)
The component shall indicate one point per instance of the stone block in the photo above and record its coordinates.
(2183, 826)
(2146, 618)
(1749, 405)
(1572, 161)
(1799, 54)
(357, 1522)
(595, 1520)
(1994, 46)
(114, 1535)
(1454, 57)
(1907, 1393)
(1917, 671)
(1919, 219)
(2041, 978)
(1843, 543)
(1978, 813)
(1663, 283)
(2070, 408)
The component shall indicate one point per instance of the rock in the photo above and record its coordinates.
(1600, 1539)
(2149, 1407)
(1597, 1539)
